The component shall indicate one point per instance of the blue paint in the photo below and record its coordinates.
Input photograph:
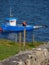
(19, 28)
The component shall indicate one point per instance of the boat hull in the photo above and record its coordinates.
(16, 28)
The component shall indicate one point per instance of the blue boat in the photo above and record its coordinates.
(11, 26)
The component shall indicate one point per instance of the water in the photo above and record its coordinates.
(34, 12)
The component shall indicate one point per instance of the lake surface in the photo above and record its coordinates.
(34, 12)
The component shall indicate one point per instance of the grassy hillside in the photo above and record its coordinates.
(9, 48)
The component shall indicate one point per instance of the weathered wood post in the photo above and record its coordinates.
(16, 37)
(24, 43)
(33, 38)
(20, 38)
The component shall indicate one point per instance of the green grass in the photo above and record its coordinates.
(9, 48)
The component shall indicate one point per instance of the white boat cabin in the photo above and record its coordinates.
(11, 21)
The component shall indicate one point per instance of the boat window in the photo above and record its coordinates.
(11, 21)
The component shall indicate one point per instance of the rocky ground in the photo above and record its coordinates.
(35, 56)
